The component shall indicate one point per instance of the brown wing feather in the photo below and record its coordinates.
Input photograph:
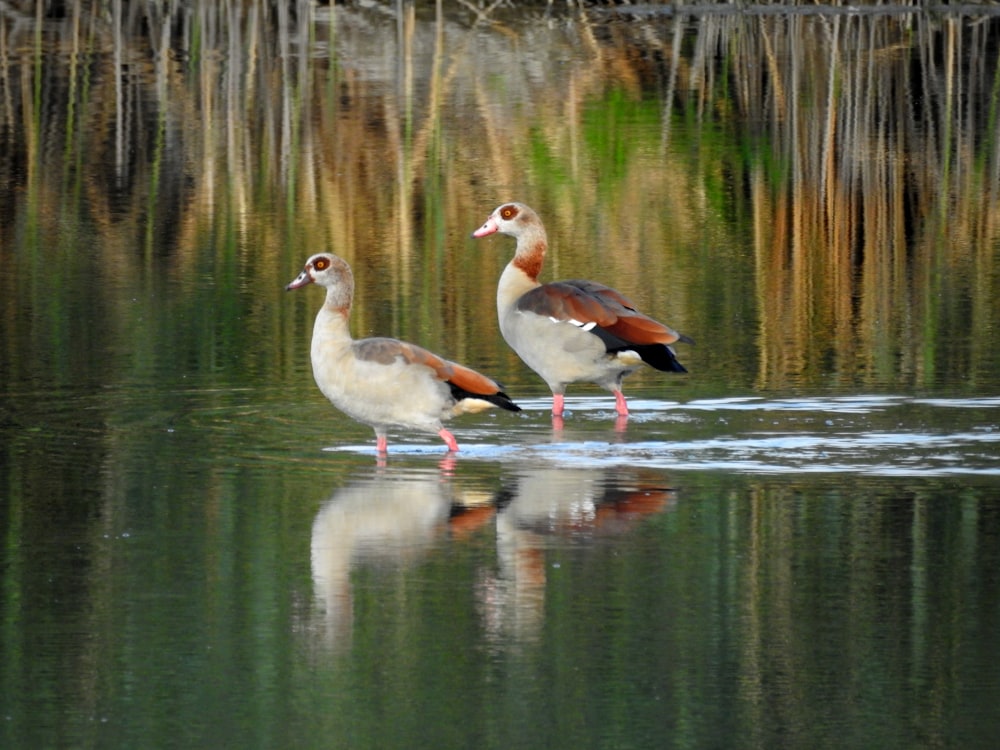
(417, 355)
(472, 381)
(605, 293)
(386, 350)
(638, 329)
(590, 302)
(564, 300)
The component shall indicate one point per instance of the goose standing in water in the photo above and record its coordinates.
(384, 382)
(571, 331)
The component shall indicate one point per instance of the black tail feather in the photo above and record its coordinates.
(660, 356)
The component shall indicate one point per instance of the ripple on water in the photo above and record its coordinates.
(871, 434)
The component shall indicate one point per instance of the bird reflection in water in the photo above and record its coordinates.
(390, 518)
(542, 506)
(396, 518)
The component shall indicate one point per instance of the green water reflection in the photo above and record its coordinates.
(793, 546)
(506, 604)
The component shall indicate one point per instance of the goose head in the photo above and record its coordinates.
(326, 270)
(512, 219)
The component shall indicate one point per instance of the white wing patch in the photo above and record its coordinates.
(578, 323)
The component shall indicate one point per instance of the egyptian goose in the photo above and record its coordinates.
(571, 331)
(384, 382)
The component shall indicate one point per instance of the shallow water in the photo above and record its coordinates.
(889, 435)
(727, 570)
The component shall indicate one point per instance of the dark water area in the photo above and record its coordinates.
(793, 545)
(233, 570)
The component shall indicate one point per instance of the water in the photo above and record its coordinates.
(841, 434)
(795, 545)
(743, 568)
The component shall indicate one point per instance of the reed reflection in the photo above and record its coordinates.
(544, 507)
(819, 192)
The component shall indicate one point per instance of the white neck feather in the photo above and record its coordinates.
(513, 284)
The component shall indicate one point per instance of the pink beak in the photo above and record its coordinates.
(488, 228)
(301, 280)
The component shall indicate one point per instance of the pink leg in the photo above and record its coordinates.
(620, 406)
(557, 404)
(449, 439)
(381, 444)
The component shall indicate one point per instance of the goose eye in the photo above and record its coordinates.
(508, 212)
(321, 264)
